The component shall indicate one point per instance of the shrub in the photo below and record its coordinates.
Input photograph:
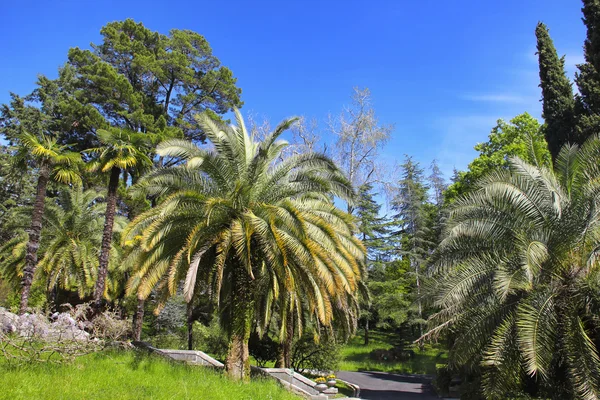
(172, 317)
(110, 327)
(307, 354)
(263, 349)
(168, 341)
(211, 339)
(443, 378)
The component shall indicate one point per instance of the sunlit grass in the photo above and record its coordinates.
(129, 375)
(356, 356)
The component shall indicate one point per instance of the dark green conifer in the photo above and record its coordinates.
(558, 103)
(588, 77)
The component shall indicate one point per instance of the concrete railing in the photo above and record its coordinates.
(299, 383)
(193, 357)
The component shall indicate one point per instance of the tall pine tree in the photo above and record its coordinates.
(410, 204)
(557, 94)
(389, 281)
(372, 231)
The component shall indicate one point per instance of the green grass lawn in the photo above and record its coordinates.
(356, 356)
(129, 375)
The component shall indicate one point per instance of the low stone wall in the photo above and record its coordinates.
(193, 357)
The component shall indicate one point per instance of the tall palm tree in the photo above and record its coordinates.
(73, 235)
(233, 217)
(53, 161)
(119, 151)
(519, 277)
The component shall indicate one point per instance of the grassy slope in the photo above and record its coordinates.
(355, 356)
(124, 375)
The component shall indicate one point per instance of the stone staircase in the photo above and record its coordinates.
(299, 383)
(287, 377)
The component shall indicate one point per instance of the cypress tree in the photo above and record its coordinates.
(557, 94)
(588, 78)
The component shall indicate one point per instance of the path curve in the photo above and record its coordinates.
(386, 386)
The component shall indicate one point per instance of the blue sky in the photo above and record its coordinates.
(441, 71)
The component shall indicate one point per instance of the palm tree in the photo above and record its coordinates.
(73, 235)
(12, 259)
(53, 161)
(294, 313)
(519, 277)
(119, 151)
(232, 218)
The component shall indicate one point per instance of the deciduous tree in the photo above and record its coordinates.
(359, 139)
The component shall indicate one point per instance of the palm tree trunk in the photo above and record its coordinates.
(35, 231)
(51, 297)
(138, 320)
(289, 340)
(109, 218)
(419, 305)
(238, 357)
(284, 356)
(367, 332)
(190, 325)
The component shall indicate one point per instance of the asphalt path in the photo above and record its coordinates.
(385, 386)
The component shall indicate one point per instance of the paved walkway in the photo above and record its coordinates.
(385, 386)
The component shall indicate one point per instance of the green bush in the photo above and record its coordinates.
(442, 380)
(168, 341)
(307, 354)
(263, 349)
(210, 339)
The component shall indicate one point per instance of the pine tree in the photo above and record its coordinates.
(437, 183)
(557, 94)
(409, 204)
(588, 78)
(371, 226)
(389, 281)
(373, 230)
(436, 210)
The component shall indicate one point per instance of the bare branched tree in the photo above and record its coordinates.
(260, 126)
(305, 137)
(360, 138)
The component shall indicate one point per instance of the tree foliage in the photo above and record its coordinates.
(518, 277)
(234, 217)
(588, 76)
(558, 102)
(520, 137)
(359, 139)
(146, 81)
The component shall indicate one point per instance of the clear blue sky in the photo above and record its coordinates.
(441, 71)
